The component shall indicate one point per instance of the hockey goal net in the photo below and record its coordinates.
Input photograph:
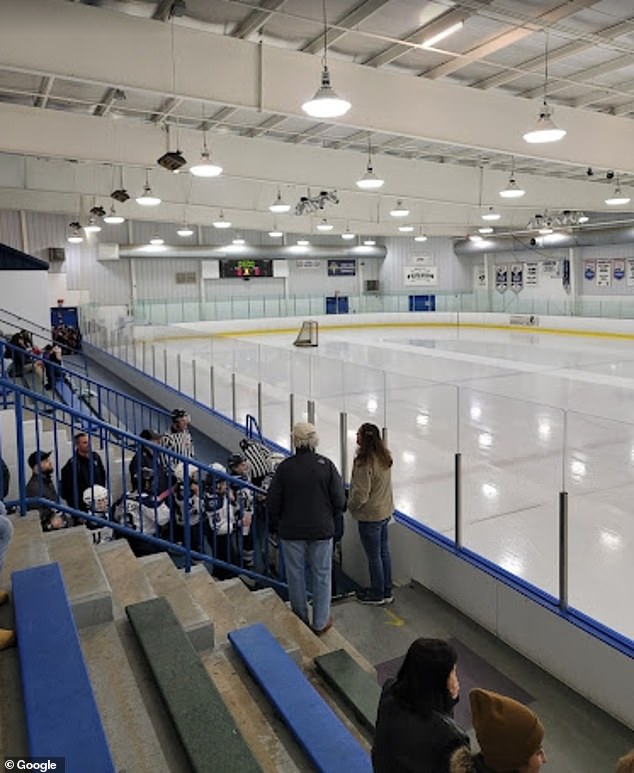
(308, 334)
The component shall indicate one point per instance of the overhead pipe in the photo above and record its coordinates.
(248, 251)
(585, 237)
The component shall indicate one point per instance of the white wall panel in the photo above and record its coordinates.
(10, 229)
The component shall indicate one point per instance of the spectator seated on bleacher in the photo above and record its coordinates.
(41, 484)
(22, 362)
(82, 470)
(52, 364)
(69, 338)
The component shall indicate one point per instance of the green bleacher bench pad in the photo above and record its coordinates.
(356, 686)
(60, 710)
(207, 731)
(326, 740)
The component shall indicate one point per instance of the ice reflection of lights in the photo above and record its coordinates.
(544, 429)
(489, 490)
(408, 457)
(422, 419)
(372, 405)
(578, 468)
(632, 454)
(611, 540)
(475, 412)
(485, 440)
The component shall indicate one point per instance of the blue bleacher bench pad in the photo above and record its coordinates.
(61, 713)
(323, 736)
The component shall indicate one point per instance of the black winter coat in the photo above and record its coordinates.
(76, 478)
(405, 742)
(305, 494)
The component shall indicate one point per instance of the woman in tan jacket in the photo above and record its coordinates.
(370, 502)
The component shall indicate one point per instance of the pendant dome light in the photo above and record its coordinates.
(370, 181)
(185, 230)
(326, 103)
(74, 233)
(205, 167)
(618, 198)
(545, 129)
(512, 190)
(112, 218)
(220, 222)
(399, 210)
(147, 198)
(279, 206)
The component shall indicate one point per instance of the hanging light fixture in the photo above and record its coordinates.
(147, 198)
(545, 129)
(279, 206)
(324, 225)
(347, 234)
(369, 242)
(485, 229)
(275, 233)
(112, 218)
(74, 233)
(92, 227)
(238, 241)
(618, 198)
(157, 241)
(303, 243)
(370, 181)
(420, 237)
(490, 214)
(185, 230)
(512, 190)
(406, 229)
(399, 210)
(326, 103)
(205, 167)
(220, 222)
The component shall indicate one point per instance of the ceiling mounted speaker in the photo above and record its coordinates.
(120, 195)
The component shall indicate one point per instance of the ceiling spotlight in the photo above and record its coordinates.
(618, 198)
(475, 237)
(545, 129)
(221, 222)
(93, 226)
(370, 181)
(205, 167)
(74, 233)
(486, 229)
(369, 242)
(185, 230)
(173, 160)
(490, 214)
(279, 206)
(303, 242)
(512, 190)
(112, 218)
(406, 229)
(324, 225)
(430, 42)
(156, 241)
(582, 218)
(399, 210)
(347, 234)
(238, 241)
(275, 234)
(420, 238)
(147, 198)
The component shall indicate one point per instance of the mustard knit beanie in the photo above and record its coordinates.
(508, 732)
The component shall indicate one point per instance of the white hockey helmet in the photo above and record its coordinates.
(98, 494)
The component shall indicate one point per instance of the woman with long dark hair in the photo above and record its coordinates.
(415, 730)
(370, 503)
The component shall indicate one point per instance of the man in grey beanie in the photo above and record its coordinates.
(305, 494)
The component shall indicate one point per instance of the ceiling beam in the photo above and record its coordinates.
(111, 96)
(167, 106)
(350, 20)
(268, 123)
(46, 86)
(256, 18)
(537, 62)
(582, 77)
(509, 37)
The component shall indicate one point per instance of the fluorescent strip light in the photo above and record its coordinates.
(442, 34)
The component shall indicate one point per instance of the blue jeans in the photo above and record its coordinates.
(6, 532)
(317, 554)
(373, 535)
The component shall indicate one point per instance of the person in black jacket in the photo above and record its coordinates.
(305, 494)
(415, 730)
(83, 470)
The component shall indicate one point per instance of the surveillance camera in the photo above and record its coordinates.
(589, 171)
(609, 175)
(533, 242)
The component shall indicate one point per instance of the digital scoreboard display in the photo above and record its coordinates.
(245, 269)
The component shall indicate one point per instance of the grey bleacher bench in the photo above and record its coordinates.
(356, 686)
(61, 713)
(322, 735)
(207, 731)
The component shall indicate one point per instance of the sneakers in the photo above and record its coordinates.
(388, 599)
(366, 597)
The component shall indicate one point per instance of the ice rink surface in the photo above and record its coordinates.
(532, 414)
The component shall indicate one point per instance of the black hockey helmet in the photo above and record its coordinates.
(233, 460)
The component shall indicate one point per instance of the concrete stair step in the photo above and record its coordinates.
(125, 574)
(86, 583)
(28, 547)
(269, 740)
(168, 581)
(208, 593)
(133, 740)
